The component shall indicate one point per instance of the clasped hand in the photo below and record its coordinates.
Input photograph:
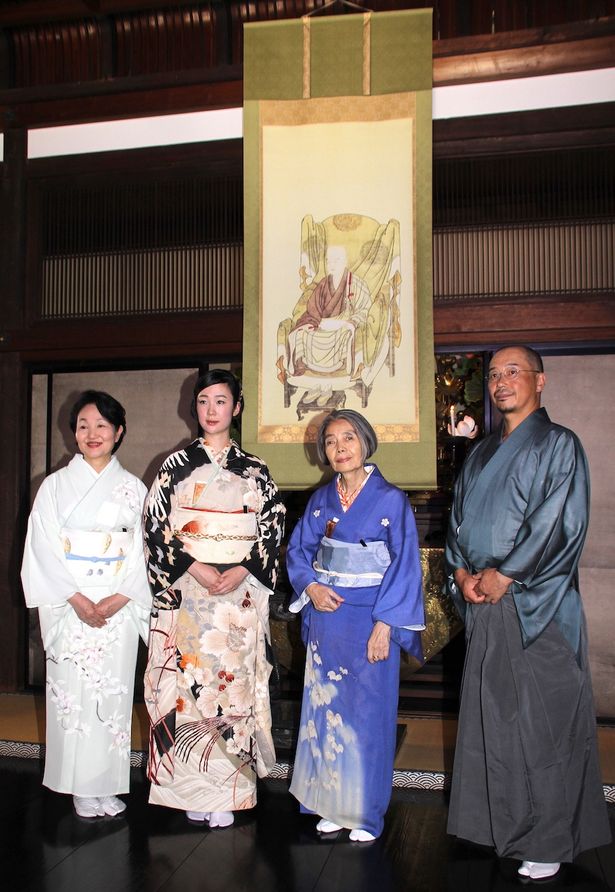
(484, 587)
(214, 581)
(97, 614)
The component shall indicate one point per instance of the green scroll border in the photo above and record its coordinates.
(401, 61)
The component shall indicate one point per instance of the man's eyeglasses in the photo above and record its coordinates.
(510, 373)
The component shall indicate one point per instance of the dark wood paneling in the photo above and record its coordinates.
(220, 334)
(152, 87)
(190, 335)
(12, 229)
(546, 128)
(546, 321)
(13, 465)
(125, 98)
(527, 61)
(222, 156)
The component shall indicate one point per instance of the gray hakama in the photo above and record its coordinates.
(526, 778)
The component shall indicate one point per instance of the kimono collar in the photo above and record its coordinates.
(78, 461)
(346, 499)
(535, 419)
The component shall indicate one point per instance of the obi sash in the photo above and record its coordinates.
(351, 564)
(215, 537)
(95, 558)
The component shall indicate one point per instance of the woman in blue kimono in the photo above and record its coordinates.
(353, 562)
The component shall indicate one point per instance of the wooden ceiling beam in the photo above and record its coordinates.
(558, 320)
(537, 130)
(525, 61)
(208, 333)
(20, 13)
(464, 60)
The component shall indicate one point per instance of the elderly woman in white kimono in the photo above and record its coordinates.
(84, 569)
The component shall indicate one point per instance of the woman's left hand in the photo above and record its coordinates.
(229, 580)
(379, 641)
(112, 604)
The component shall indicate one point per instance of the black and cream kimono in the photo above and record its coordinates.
(206, 683)
(526, 778)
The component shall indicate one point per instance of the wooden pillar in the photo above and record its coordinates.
(13, 412)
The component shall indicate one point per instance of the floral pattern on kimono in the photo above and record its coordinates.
(207, 677)
(90, 672)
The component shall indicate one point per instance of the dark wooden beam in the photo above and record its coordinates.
(526, 53)
(19, 13)
(217, 333)
(220, 333)
(465, 60)
(541, 321)
(119, 98)
(221, 156)
(527, 131)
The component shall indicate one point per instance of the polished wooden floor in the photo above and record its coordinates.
(45, 847)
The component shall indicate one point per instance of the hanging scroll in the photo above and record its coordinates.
(337, 284)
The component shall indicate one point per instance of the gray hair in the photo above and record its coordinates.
(361, 426)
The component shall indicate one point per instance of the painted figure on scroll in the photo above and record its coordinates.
(213, 524)
(353, 562)
(526, 778)
(84, 569)
(323, 339)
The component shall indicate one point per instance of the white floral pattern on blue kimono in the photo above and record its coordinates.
(344, 763)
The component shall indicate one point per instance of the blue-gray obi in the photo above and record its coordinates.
(351, 564)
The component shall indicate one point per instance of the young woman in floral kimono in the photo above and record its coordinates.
(84, 569)
(353, 562)
(213, 525)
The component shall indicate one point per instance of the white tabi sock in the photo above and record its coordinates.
(221, 818)
(197, 816)
(538, 870)
(358, 835)
(325, 826)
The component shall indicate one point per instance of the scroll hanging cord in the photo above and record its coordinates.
(307, 49)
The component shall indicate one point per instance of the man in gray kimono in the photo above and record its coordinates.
(526, 778)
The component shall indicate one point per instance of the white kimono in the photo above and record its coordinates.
(84, 534)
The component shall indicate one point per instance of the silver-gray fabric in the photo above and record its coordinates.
(526, 777)
(351, 564)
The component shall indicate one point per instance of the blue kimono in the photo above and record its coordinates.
(344, 763)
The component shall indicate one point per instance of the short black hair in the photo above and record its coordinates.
(363, 429)
(218, 376)
(534, 359)
(108, 406)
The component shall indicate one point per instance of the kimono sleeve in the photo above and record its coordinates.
(262, 562)
(399, 602)
(303, 545)
(45, 578)
(544, 559)
(165, 558)
(453, 556)
(134, 584)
